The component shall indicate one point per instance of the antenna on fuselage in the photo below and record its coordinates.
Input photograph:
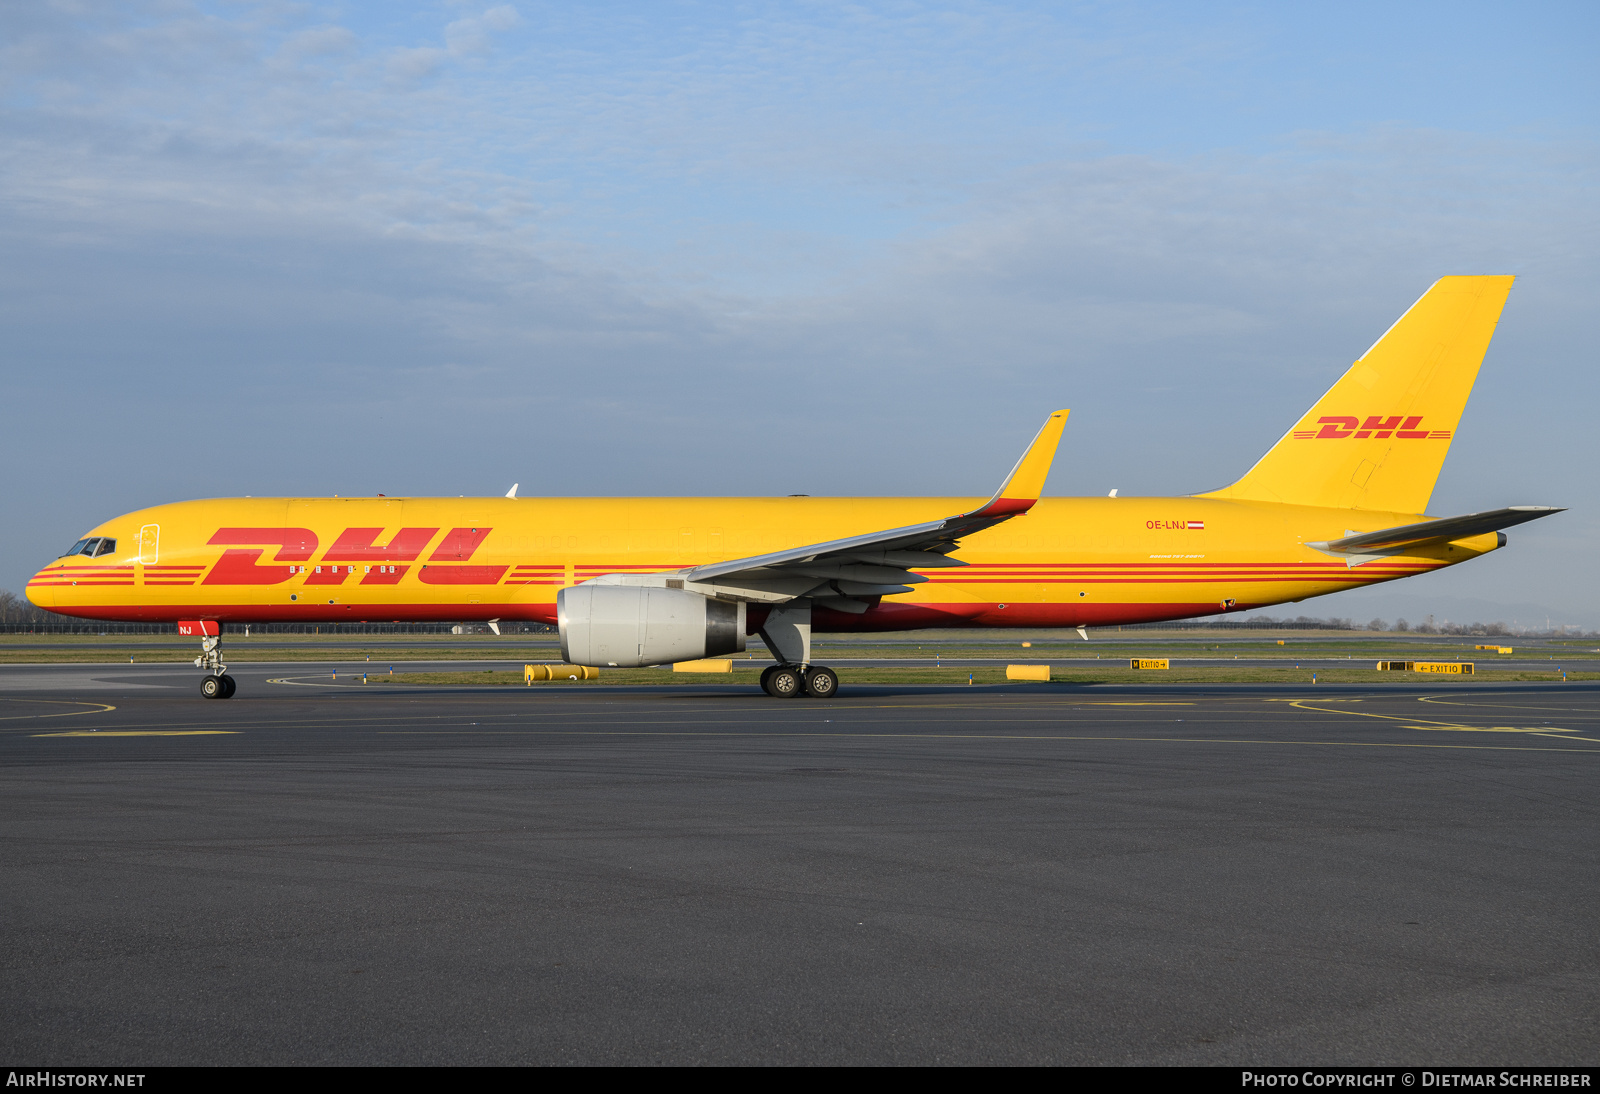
(513, 491)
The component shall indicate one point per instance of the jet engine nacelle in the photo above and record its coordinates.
(627, 626)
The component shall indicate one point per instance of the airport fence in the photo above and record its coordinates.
(1243, 625)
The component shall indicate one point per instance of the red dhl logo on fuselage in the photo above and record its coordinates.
(381, 563)
(1339, 427)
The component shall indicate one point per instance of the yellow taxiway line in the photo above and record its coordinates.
(99, 708)
(138, 733)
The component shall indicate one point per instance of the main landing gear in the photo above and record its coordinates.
(787, 633)
(217, 684)
(788, 681)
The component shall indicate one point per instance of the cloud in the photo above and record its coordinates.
(414, 64)
(320, 41)
(467, 37)
(472, 36)
(503, 17)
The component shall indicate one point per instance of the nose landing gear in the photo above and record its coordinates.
(216, 684)
(218, 687)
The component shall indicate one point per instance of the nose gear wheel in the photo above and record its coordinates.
(217, 684)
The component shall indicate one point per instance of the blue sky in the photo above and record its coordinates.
(438, 248)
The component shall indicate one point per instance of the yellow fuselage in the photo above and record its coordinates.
(1069, 562)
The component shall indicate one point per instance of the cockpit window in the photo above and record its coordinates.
(92, 547)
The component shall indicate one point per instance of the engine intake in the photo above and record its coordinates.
(628, 626)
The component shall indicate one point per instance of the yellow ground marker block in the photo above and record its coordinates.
(1443, 668)
(531, 673)
(1028, 672)
(709, 664)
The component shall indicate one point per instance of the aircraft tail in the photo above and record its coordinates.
(1378, 438)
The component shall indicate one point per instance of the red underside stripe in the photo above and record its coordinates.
(82, 581)
(1274, 574)
(1290, 567)
(1220, 580)
(887, 617)
(985, 566)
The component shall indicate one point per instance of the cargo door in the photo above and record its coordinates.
(149, 544)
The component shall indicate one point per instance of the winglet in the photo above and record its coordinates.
(1021, 488)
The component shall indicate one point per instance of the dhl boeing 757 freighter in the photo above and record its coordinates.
(1337, 503)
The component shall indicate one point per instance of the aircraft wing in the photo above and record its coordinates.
(1434, 531)
(842, 571)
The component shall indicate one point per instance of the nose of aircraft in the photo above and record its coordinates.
(41, 588)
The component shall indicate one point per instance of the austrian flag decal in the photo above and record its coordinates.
(1197, 526)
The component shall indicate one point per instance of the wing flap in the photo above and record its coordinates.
(914, 546)
(874, 564)
(846, 571)
(887, 540)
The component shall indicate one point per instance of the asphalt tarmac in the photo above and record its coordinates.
(336, 873)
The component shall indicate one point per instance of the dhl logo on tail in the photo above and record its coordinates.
(1336, 428)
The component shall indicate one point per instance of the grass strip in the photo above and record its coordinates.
(1108, 674)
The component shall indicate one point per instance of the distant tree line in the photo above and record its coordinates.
(16, 610)
(1401, 626)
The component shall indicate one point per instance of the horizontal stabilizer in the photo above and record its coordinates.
(1435, 531)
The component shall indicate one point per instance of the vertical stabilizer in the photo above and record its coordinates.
(1378, 438)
